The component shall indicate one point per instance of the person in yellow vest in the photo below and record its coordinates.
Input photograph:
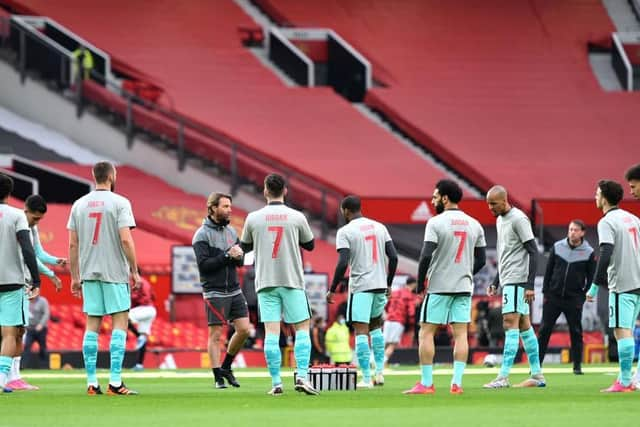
(337, 341)
(83, 56)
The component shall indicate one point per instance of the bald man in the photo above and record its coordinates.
(517, 253)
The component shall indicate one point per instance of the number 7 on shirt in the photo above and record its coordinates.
(463, 240)
(278, 229)
(374, 246)
(96, 230)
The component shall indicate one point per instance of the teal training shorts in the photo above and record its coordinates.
(513, 300)
(273, 303)
(441, 309)
(102, 298)
(623, 310)
(14, 308)
(364, 306)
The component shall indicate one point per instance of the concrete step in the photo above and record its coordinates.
(622, 15)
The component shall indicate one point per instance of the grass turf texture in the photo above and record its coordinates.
(187, 398)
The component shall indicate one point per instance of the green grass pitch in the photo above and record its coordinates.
(187, 398)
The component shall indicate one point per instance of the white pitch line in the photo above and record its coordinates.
(265, 374)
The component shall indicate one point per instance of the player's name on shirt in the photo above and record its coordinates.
(456, 235)
(276, 217)
(367, 227)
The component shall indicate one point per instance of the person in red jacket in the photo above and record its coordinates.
(142, 315)
(401, 310)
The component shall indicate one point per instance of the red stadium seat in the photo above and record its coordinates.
(478, 98)
(214, 81)
(68, 333)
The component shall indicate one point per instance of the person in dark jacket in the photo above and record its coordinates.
(218, 254)
(569, 273)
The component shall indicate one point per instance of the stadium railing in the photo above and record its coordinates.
(35, 51)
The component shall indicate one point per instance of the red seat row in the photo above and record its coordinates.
(195, 55)
(66, 331)
(501, 90)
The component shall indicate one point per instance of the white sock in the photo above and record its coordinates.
(14, 373)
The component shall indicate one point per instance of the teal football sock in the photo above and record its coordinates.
(530, 343)
(363, 353)
(511, 340)
(458, 371)
(427, 375)
(377, 345)
(273, 357)
(625, 359)
(5, 368)
(90, 356)
(302, 352)
(116, 350)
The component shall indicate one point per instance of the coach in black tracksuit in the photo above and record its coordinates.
(218, 254)
(569, 273)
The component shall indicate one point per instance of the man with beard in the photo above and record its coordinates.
(453, 251)
(517, 253)
(102, 255)
(218, 254)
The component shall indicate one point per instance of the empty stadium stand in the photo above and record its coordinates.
(194, 54)
(501, 90)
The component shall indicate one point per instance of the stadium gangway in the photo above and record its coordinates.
(623, 66)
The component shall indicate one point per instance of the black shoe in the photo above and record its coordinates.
(227, 374)
(219, 382)
(578, 371)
